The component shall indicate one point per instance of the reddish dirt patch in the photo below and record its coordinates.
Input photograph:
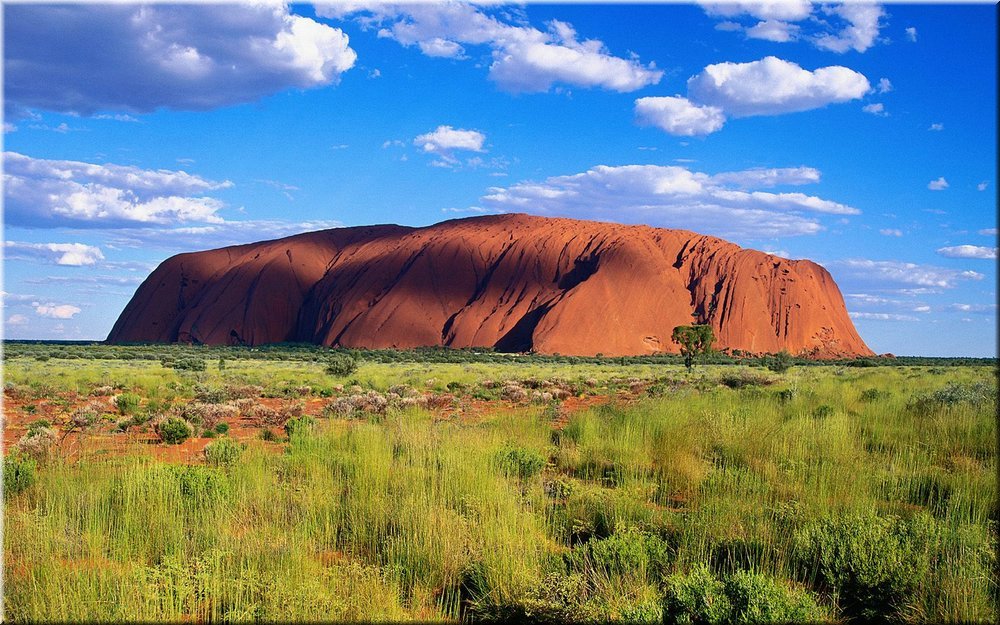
(105, 439)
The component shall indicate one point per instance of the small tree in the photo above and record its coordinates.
(694, 340)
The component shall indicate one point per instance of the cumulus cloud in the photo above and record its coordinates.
(836, 28)
(524, 58)
(968, 251)
(891, 232)
(982, 185)
(54, 193)
(911, 33)
(936, 127)
(188, 56)
(876, 108)
(726, 204)
(975, 308)
(55, 311)
(774, 30)
(862, 24)
(70, 254)
(17, 320)
(881, 272)
(443, 139)
(990, 232)
(938, 185)
(679, 116)
(770, 86)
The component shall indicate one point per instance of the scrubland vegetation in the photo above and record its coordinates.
(534, 490)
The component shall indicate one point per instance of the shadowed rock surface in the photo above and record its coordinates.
(512, 282)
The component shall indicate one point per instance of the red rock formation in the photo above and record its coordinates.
(512, 282)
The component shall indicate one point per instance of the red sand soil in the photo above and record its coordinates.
(511, 282)
(104, 439)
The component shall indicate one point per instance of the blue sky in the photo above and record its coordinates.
(860, 136)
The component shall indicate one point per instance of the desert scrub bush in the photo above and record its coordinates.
(188, 364)
(224, 452)
(780, 362)
(341, 365)
(519, 462)
(299, 427)
(872, 395)
(822, 411)
(744, 379)
(173, 430)
(627, 552)
(127, 403)
(18, 473)
(741, 597)
(871, 564)
(39, 442)
(954, 394)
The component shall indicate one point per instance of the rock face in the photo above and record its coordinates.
(512, 282)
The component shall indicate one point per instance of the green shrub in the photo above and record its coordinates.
(341, 365)
(822, 411)
(743, 379)
(18, 473)
(743, 597)
(208, 434)
(223, 452)
(268, 435)
(221, 427)
(780, 362)
(174, 430)
(189, 364)
(629, 552)
(870, 395)
(127, 403)
(519, 462)
(872, 564)
(954, 394)
(786, 395)
(299, 426)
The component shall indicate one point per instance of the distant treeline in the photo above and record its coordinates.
(94, 350)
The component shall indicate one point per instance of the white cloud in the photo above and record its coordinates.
(881, 316)
(8, 127)
(980, 308)
(525, 59)
(70, 254)
(891, 232)
(793, 10)
(861, 30)
(936, 127)
(17, 320)
(969, 251)
(836, 28)
(676, 197)
(55, 311)
(876, 108)
(990, 232)
(772, 86)
(938, 185)
(54, 193)
(445, 138)
(189, 56)
(679, 116)
(884, 86)
(911, 33)
(774, 30)
(187, 238)
(982, 185)
(881, 272)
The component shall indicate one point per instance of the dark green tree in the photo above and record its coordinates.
(694, 341)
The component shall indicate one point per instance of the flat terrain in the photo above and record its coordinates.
(424, 490)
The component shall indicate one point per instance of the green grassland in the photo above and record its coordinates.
(731, 493)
